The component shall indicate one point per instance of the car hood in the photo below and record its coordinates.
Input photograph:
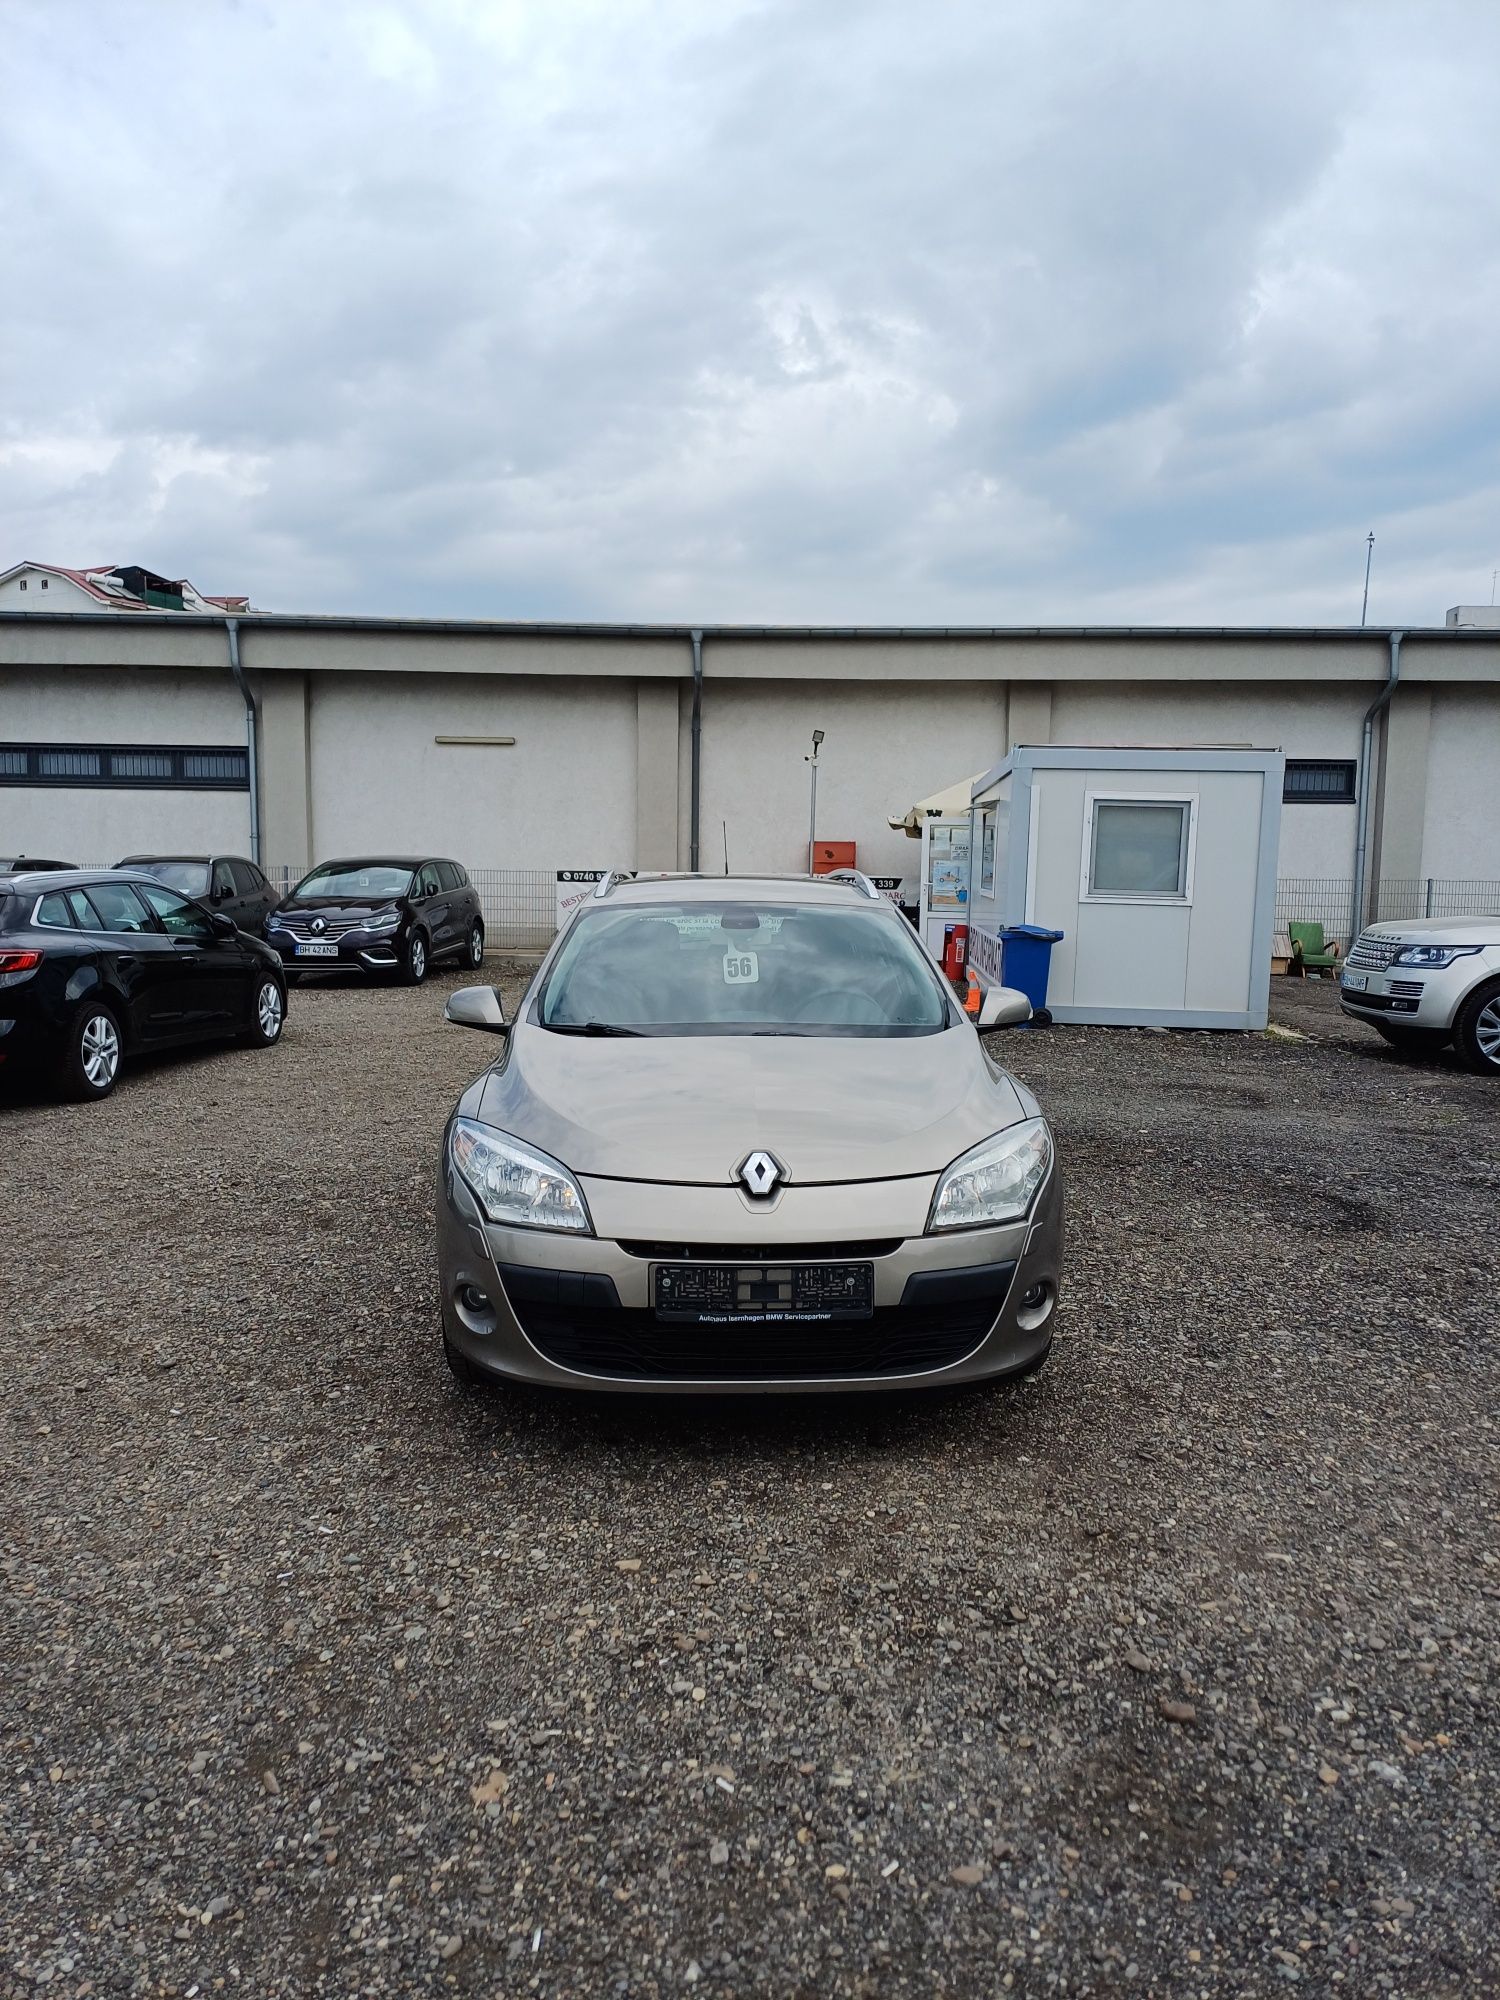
(1438, 930)
(689, 1108)
(335, 906)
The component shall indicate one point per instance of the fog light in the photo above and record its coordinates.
(1034, 1307)
(474, 1308)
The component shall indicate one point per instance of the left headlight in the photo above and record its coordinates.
(1434, 956)
(995, 1181)
(514, 1183)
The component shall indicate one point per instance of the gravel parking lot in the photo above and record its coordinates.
(1171, 1671)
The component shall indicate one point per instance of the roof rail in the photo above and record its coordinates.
(610, 877)
(857, 876)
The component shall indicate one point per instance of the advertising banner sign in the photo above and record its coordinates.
(984, 956)
(575, 886)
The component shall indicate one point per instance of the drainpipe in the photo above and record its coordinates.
(252, 734)
(1362, 834)
(694, 787)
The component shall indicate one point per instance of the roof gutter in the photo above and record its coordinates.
(696, 764)
(252, 734)
(1366, 744)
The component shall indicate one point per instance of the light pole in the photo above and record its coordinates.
(812, 819)
(1369, 557)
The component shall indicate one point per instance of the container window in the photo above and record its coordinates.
(1140, 848)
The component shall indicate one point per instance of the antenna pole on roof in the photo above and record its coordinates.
(1369, 557)
(725, 825)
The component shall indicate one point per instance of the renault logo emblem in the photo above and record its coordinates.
(318, 925)
(760, 1174)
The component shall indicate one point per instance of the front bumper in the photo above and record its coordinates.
(1401, 998)
(371, 954)
(576, 1311)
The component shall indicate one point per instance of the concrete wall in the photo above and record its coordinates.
(563, 796)
(599, 773)
(1461, 823)
(1316, 721)
(887, 745)
(118, 705)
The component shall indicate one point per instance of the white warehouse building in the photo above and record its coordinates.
(524, 750)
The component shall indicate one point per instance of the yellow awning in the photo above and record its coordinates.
(950, 803)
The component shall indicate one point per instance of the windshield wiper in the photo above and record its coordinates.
(588, 1028)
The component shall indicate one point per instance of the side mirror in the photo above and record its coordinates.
(477, 1007)
(1003, 1007)
(223, 926)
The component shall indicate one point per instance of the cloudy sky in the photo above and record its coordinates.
(963, 311)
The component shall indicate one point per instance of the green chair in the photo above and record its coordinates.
(1310, 951)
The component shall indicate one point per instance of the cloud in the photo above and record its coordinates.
(979, 312)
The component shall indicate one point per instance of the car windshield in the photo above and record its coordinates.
(360, 880)
(742, 969)
(188, 878)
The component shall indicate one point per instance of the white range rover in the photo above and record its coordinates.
(1424, 984)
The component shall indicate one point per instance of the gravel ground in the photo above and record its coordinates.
(1171, 1671)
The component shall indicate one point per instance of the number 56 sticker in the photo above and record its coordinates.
(741, 968)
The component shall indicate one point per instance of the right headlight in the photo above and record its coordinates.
(995, 1181)
(514, 1183)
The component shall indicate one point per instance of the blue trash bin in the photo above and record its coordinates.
(1026, 961)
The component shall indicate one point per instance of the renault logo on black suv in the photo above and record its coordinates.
(761, 1174)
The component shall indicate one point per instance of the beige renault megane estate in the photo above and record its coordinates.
(741, 1137)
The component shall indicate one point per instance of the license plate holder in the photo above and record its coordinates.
(1355, 982)
(317, 950)
(762, 1294)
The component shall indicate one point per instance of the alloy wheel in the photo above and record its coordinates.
(100, 1050)
(418, 958)
(1487, 1031)
(269, 1011)
(476, 946)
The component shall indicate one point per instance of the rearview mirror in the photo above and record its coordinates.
(477, 1007)
(1003, 1007)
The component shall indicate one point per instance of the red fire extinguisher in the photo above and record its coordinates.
(955, 950)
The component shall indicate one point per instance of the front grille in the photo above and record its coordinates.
(761, 1253)
(334, 927)
(636, 1346)
(1372, 954)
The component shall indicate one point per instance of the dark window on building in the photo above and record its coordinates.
(1318, 783)
(214, 767)
(133, 765)
(126, 766)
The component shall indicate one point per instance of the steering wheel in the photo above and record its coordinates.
(840, 1007)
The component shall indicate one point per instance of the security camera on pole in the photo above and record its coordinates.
(812, 824)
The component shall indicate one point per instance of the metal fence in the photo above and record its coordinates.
(1327, 900)
(519, 904)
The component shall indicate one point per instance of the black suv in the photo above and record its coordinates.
(96, 965)
(396, 916)
(226, 882)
